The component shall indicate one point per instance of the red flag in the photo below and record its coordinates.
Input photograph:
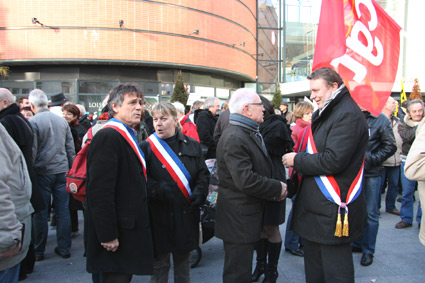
(362, 42)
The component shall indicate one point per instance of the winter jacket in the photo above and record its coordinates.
(23, 134)
(85, 122)
(53, 149)
(117, 207)
(206, 125)
(394, 160)
(189, 128)
(341, 137)
(245, 172)
(175, 224)
(381, 144)
(407, 131)
(15, 207)
(300, 124)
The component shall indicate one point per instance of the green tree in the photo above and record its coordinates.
(179, 92)
(277, 97)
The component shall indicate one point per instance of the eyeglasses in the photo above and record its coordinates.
(255, 103)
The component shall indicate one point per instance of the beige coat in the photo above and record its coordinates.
(415, 170)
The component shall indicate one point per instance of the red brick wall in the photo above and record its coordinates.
(105, 41)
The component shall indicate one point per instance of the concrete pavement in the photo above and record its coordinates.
(399, 257)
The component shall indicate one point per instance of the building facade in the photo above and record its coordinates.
(83, 48)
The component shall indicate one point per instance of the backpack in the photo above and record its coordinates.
(76, 176)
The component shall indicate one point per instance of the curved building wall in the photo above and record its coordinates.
(154, 33)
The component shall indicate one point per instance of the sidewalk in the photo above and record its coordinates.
(399, 257)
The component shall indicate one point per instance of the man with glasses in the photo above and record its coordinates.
(245, 172)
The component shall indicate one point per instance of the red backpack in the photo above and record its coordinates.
(76, 176)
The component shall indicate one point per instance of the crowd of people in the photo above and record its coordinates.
(147, 180)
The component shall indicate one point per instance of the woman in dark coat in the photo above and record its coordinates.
(174, 209)
(277, 138)
(70, 114)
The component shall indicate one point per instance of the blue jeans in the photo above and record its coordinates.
(292, 240)
(372, 190)
(406, 210)
(53, 184)
(392, 174)
(10, 275)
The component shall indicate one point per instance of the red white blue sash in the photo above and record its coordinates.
(172, 164)
(128, 134)
(330, 188)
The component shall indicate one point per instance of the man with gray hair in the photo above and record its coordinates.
(205, 122)
(407, 130)
(245, 174)
(53, 153)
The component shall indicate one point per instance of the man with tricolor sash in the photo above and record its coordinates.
(329, 210)
(119, 240)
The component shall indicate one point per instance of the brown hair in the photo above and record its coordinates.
(301, 108)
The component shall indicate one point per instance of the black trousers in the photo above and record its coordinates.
(116, 277)
(237, 262)
(326, 263)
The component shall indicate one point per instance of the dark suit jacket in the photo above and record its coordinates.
(117, 207)
(244, 173)
(341, 136)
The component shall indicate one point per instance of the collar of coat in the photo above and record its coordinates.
(243, 121)
(333, 96)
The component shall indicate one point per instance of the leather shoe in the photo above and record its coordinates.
(393, 211)
(62, 255)
(367, 259)
(402, 225)
(297, 252)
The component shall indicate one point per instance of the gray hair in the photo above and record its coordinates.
(210, 102)
(82, 109)
(38, 98)
(414, 101)
(5, 94)
(240, 98)
(116, 95)
(179, 107)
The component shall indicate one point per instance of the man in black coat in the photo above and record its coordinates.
(245, 174)
(119, 241)
(205, 122)
(381, 146)
(22, 133)
(339, 133)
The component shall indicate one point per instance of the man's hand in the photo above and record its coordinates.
(288, 159)
(10, 253)
(284, 192)
(111, 246)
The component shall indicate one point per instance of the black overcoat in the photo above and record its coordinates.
(117, 207)
(341, 137)
(175, 225)
(244, 173)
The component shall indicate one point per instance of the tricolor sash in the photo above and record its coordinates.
(128, 134)
(330, 189)
(172, 164)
